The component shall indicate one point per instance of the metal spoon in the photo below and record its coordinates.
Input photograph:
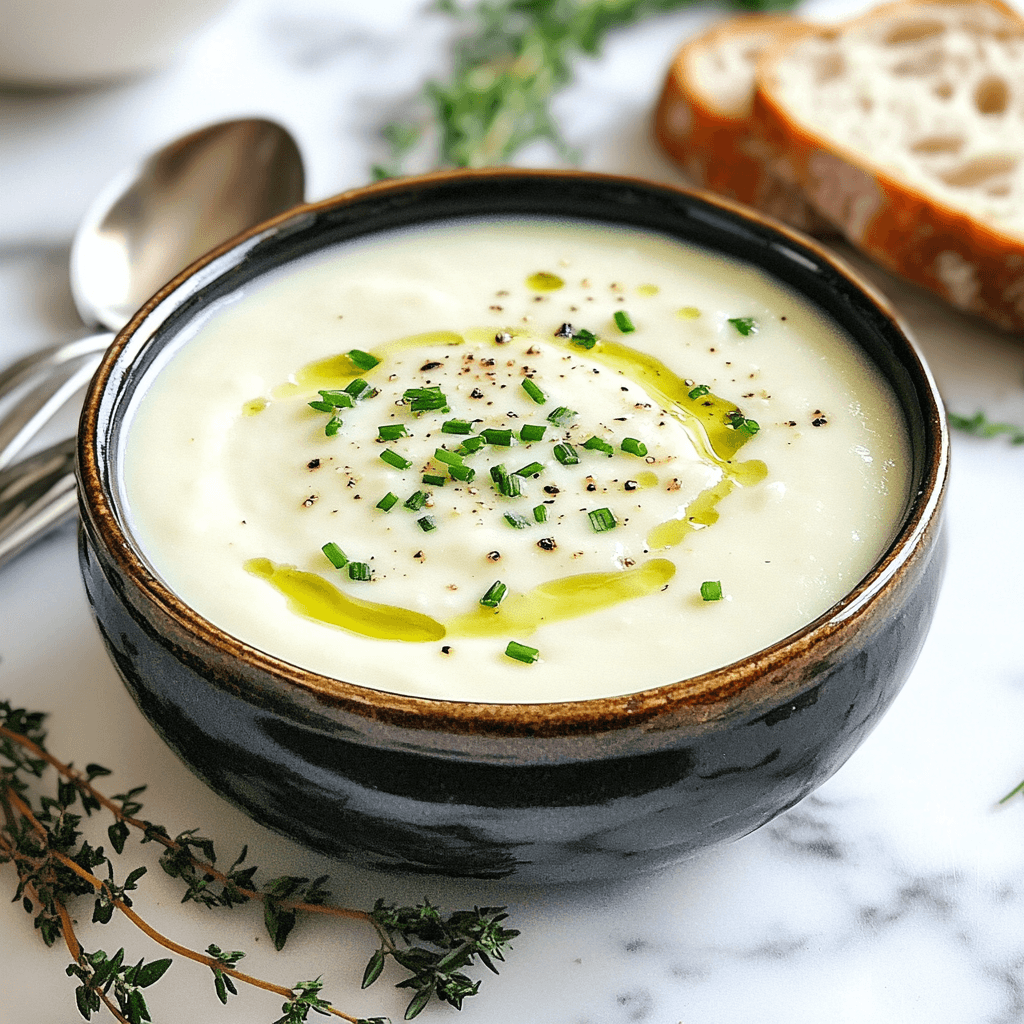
(148, 224)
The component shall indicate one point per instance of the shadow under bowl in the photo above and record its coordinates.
(544, 792)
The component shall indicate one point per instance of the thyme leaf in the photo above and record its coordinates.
(449, 944)
(981, 426)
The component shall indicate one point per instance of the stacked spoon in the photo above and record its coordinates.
(150, 222)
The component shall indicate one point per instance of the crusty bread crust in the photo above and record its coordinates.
(716, 140)
(977, 266)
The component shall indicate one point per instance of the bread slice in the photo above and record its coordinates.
(905, 128)
(704, 119)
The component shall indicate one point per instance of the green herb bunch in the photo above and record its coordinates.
(56, 866)
(508, 63)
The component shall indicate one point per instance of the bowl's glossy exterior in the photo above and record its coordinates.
(549, 792)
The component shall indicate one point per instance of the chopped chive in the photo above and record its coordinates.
(360, 389)
(711, 590)
(534, 392)
(431, 403)
(336, 399)
(738, 421)
(520, 652)
(392, 431)
(426, 399)
(566, 454)
(392, 458)
(533, 469)
(516, 521)
(495, 595)
(456, 427)
(447, 457)
(427, 523)
(746, 325)
(359, 571)
(388, 502)
(540, 513)
(532, 432)
(362, 360)
(602, 519)
(416, 501)
(471, 445)
(463, 473)
(434, 481)
(699, 392)
(595, 444)
(562, 416)
(633, 446)
(334, 424)
(335, 555)
(584, 338)
(507, 485)
(494, 435)
(623, 322)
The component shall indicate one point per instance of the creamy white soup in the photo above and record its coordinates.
(515, 461)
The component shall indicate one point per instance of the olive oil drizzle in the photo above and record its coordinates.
(313, 597)
(705, 415)
(337, 370)
(569, 597)
(700, 513)
(544, 281)
(558, 600)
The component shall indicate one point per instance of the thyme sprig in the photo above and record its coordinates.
(981, 426)
(507, 64)
(56, 866)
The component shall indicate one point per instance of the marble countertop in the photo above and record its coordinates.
(893, 895)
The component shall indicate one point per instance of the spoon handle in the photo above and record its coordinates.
(35, 495)
(35, 409)
(13, 376)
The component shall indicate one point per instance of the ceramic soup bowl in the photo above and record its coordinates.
(563, 790)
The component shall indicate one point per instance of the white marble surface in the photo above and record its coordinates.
(894, 895)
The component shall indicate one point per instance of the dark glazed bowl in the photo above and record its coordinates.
(544, 792)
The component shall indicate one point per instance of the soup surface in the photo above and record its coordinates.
(516, 461)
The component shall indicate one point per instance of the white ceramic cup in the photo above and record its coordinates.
(79, 42)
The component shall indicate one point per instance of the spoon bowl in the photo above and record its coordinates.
(148, 224)
(158, 217)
